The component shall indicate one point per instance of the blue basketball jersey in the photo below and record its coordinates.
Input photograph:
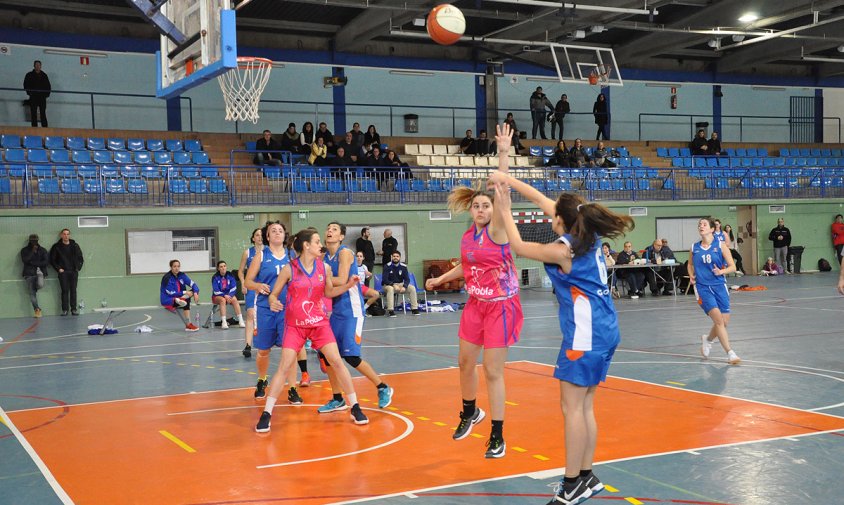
(350, 303)
(270, 268)
(587, 314)
(719, 236)
(704, 260)
(250, 256)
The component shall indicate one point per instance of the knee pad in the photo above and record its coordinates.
(322, 359)
(354, 361)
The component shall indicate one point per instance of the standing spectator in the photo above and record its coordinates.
(35, 261)
(224, 292)
(37, 86)
(326, 135)
(781, 237)
(700, 146)
(364, 246)
(467, 145)
(388, 246)
(560, 110)
(318, 153)
(511, 122)
(273, 148)
(371, 137)
(290, 139)
(602, 117)
(838, 236)
(538, 103)
(306, 138)
(397, 280)
(713, 146)
(357, 139)
(66, 258)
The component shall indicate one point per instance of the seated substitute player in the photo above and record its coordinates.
(224, 289)
(176, 291)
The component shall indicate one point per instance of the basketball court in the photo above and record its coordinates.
(168, 417)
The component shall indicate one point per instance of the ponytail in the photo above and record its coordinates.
(461, 197)
(586, 221)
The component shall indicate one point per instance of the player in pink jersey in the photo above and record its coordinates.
(305, 318)
(492, 318)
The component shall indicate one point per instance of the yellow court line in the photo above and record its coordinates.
(540, 457)
(675, 383)
(634, 501)
(610, 488)
(422, 418)
(169, 436)
(518, 449)
(393, 409)
(407, 412)
(437, 423)
(475, 435)
(510, 403)
(3, 421)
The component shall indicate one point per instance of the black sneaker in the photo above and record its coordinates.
(64, 312)
(594, 485)
(391, 313)
(247, 351)
(495, 448)
(293, 397)
(465, 425)
(261, 389)
(263, 425)
(570, 494)
(415, 312)
(358, 416)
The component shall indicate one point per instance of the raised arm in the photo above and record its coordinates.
(526, 190)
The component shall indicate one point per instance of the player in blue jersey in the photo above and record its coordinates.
(588, 321)
(261, 278)
(347, 316)
(718, 234)
(249, 295)
(710, 262)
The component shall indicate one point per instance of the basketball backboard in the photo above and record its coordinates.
(575, 63)
(209, 46)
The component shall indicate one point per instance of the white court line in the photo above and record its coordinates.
(51, 480)
(55, 337)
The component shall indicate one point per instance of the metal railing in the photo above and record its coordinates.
(742, 120)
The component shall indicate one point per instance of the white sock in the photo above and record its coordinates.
(268, 407)
(240, 318)
(352, 397)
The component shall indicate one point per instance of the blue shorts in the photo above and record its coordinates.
(249, 299)
(583, 368)
(710, 297)
(347, 331)
(270, 329)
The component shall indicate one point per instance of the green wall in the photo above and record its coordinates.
(104, 275)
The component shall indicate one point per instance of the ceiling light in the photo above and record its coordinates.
(579, 34)
(714, 43)
(748, 18)
(597, 29)
(738, 38)
(418, 21)
(841, 49)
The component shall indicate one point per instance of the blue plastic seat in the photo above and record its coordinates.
(535, 150)
(178, 186)
(155, 145)
(193, 146)
(121, 157)
(95, 143)
(37, 156)
(300, 186)
(15, 155)
(673, 152)
(103, 156)
(150, 172)
(190, 172)
(181, 157)
(135, 144)
(137, 186)
(92, 186)
(271, 172)
(417, 185)
(208, 172)
(548, 151)
(71, 185)
(129, 171)
(33, 142)
(74, 143)
(142, 157)
(685, 152)
(741, 152)
(803, 151)
(662, 152)
(761, 151)
(201, 158)
(198, 186)
(53, 142)
(711, 161)
(109, 171)
(10, 141)
(115, 186)
(319, 186)
(48, 186)
(751, 152)
(402, 185)
(369, 186)
(784, 151)
(59, 155)
(64, 171)
(335, 186)
(162, 157)
(173, 145)
(116, 144)
(86, 171)
(217, 186)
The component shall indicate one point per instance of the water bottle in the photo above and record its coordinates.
(81, 306)
(196, 318)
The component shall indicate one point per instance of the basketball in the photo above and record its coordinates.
(446, 24)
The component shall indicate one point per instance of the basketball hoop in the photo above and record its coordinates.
(600, 75)
(242, 88)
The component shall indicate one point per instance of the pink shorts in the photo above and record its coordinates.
(491, 324)
(294, 337)
(363, 289)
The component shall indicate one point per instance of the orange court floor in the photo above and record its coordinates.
(201, 448)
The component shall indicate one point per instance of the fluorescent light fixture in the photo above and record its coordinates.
(597, 29)
(418, 21)
(714, 43)
(662, 85)
(74, 52)
(418, 73)
(579, 34)
(738, 38)
(841, 48)
(767, 88)
(543, 79)
(822, 59)
(749, 17)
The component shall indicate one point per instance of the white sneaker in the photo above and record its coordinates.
(241, 322)
(180, 302)
(705, 346)
(224, 325)
(733, 358)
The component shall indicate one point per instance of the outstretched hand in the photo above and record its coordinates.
(497, 177)
(502, 197)
(503, 137)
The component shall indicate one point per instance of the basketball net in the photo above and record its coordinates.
(242, 88)
(600, 75)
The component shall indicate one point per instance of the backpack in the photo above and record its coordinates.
(376, 309)
(824, 266)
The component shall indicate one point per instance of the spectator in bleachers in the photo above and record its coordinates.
(306, 138)
(373, 158)
(713, 145)
(348, 146)
(357, 140)
(602, 116)
(659, 279)
(467, 145)
(290, 139)
(838, 237)
(66, 258)
(560, 157)
(560, 110)
(538, 103)
(267, 143)
(700, 146)
(484, 146)
(35, 259)
(392, 160)
(371, 137)
(578, 158)
(635, 277)
(600, 155)
(319, 153)
(781, 237)
(340, 162)
(327, 137)
(511, 121)
(37, 86)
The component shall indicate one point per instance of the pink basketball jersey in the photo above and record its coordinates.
(487, 267)
(304, 307)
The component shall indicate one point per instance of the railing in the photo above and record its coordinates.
(31, 185)
(92, 94)
(784, 122)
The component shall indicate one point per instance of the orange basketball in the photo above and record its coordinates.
(446, 24)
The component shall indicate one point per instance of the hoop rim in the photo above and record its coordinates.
(244, 61)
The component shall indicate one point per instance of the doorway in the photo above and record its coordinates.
(747, 237)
